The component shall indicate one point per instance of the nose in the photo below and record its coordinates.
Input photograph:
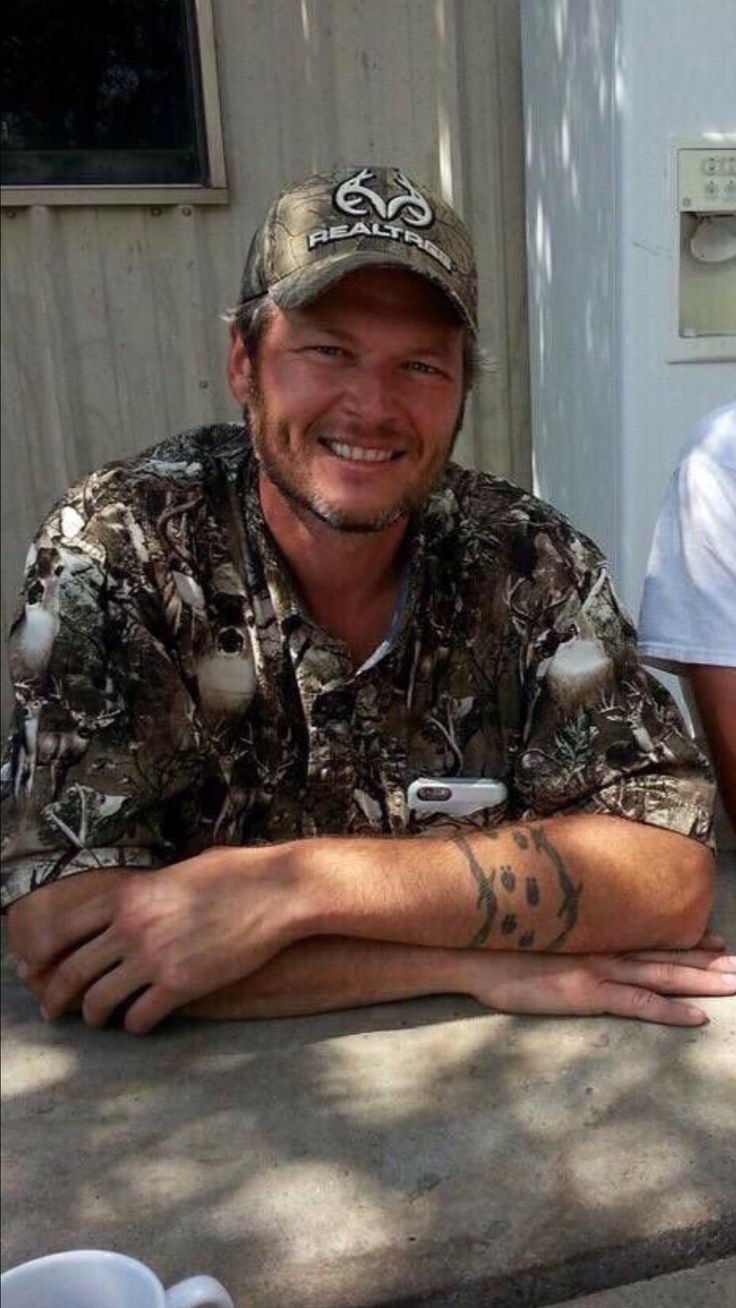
(372, 395)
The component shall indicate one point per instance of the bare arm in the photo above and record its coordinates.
(321, 974)
(581, 884)
(714, 689)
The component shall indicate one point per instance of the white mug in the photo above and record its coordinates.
(94, 1278)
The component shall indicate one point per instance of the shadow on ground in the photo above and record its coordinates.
(415, 1153)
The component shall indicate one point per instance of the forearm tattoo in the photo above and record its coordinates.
(570, 894)
(528, 895)
(487, 901)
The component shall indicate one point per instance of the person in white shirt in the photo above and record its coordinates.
(687, 622)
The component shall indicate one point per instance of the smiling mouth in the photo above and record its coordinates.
(360, 454)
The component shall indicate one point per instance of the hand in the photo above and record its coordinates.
(33, 923)
(156, 940)
(637, 985)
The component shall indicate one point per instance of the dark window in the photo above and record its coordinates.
(101, 92)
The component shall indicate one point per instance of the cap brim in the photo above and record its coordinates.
(306, 284)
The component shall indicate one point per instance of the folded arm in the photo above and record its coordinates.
(580, 884)
(323, 974)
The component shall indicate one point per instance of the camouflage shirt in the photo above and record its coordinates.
(172, 693)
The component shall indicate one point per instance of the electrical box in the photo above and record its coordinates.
(703, 188)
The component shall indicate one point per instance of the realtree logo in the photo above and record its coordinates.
(353, 196)
(356, 198)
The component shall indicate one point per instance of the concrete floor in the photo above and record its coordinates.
(418, 1153)
(710, 1286)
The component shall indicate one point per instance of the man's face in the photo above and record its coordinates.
(354, 400)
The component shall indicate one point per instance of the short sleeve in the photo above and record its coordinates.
(104, 744)
(601, 735)
(688, 611)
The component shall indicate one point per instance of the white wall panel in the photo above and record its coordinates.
(112, 336)
(608, 85)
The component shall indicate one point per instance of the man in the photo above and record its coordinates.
(687, 623)
(238, 651)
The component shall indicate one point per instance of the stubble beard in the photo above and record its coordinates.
(269, 439)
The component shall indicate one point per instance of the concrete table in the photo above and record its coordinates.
(419, 1153)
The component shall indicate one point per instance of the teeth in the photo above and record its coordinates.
(359, 455)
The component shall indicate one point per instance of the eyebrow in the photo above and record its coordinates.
(314, 325)
(426, 350)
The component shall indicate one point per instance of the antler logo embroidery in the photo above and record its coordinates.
(355, 195)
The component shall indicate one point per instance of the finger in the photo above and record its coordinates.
(37, 982)
(646, 1006)
(697, 958)
(672, 978)
(77, 972)
(154, 1004)
(68, 932)
(38, 915)
(711, 942)
(108, 996)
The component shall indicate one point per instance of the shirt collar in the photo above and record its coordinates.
(427, 530)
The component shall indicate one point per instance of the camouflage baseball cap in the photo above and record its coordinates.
(333, 223)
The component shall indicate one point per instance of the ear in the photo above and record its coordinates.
(239, 369)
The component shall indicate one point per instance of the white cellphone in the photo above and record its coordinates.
(457, 796)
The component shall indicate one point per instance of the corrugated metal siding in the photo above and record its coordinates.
(112, 335)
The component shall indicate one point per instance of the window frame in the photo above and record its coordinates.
(215, 192)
